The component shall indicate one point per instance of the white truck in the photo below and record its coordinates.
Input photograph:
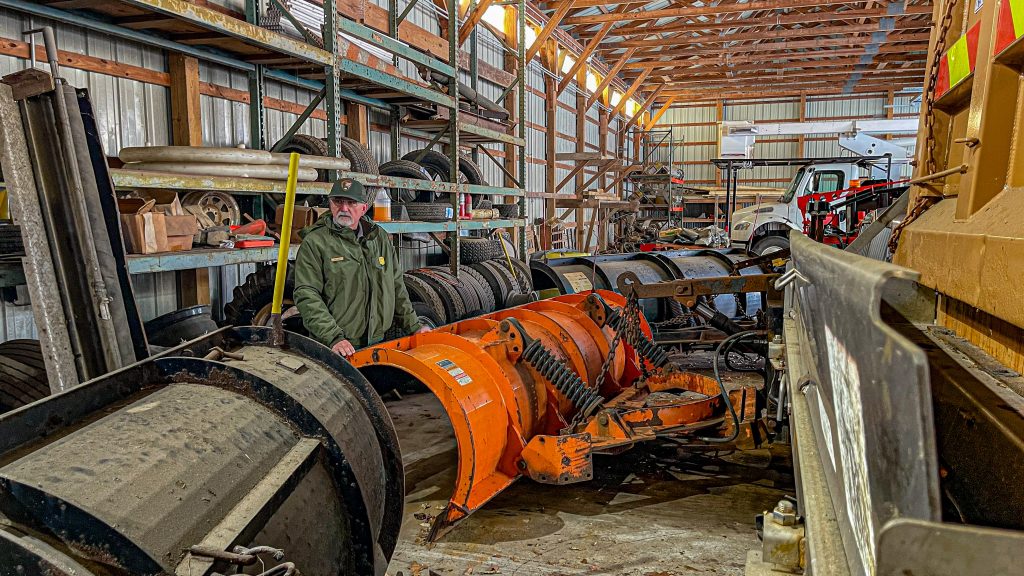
(764, 228)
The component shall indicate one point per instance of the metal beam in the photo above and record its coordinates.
(230, 26)
(607, 80)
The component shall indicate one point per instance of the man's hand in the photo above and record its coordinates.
(344, 348)
(421, 330)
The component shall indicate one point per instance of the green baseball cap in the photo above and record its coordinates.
(348, 188)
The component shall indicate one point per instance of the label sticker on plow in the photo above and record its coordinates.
(579, 281)
(455, 372)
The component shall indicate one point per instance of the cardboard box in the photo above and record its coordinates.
(179, 243)
(302, 216)
(144, 231)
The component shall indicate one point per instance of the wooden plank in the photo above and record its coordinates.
(607, 80)
(629, 93)
(358, 123)
(187, 130)
(657, 116)
(546, 31)
(473, 20)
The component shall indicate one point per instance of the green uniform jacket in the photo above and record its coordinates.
(349, 288)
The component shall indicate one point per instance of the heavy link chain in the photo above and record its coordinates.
(629, 328)
(925, 201)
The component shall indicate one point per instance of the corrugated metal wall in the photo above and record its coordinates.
(696, 127)
(134, 113)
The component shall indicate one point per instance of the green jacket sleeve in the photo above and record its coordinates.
(309, 296)
(405, 317)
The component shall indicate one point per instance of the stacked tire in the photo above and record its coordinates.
(438, 167)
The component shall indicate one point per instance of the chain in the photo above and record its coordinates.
(629, 319)
(923, 202)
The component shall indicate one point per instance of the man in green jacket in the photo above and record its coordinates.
(348, 284)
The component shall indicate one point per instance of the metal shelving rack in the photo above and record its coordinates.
(657, 149)
(263, 54)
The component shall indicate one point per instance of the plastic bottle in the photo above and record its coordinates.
(382, 206)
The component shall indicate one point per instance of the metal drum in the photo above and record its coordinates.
(223, 442)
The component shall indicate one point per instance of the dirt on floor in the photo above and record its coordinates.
(653, 511)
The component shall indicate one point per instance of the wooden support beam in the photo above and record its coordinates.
(358, 123)
(726, 65)
(769, 20)
(186, 118)
(661, 112)
(607, 80)
(546, 31)
(581, 61)
(695, 11)
(511, 103)
(473, 20)
(187, 130)
(643, 108)
(629, 92)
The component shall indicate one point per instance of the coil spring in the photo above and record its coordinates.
(562, 377)
(643, 345)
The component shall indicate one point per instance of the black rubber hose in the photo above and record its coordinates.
(723, 392)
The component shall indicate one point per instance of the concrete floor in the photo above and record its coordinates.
(654, 511)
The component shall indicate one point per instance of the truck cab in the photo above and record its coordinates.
(765, 228)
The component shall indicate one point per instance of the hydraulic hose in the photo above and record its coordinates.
(723, 392)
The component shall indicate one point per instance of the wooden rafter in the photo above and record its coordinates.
(629, 92)
(915, 39)
(587, 51)
(473, 19)
(771, 19)
(548, 28)
(607, 80)
(661, 112)
(643, 108)
(698, 10)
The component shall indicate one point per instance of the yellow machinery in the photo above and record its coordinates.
(905, 394)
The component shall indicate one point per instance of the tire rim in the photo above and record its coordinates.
(220, 208)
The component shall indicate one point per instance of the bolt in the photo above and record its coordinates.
(521, 464)
(602, 419)
(785, 507)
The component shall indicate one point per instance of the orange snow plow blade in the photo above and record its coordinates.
(530, 391)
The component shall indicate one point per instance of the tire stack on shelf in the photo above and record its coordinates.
(485, 284)
(436, 166)
(22, 374)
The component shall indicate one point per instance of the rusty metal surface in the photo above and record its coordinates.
(133, 469)
(688, 291)
(150, 477)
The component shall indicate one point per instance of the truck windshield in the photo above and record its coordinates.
(797, 179)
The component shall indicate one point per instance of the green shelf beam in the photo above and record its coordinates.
(394, 46)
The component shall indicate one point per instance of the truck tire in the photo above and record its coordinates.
(359, 156)
(475, 250)
(405, 169)
(770, 244)
(427, 211)
(309, 146)
(426, 316)
(252, 300)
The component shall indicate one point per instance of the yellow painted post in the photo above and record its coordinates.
(282, 253)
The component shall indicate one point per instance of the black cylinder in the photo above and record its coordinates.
(259, 446)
